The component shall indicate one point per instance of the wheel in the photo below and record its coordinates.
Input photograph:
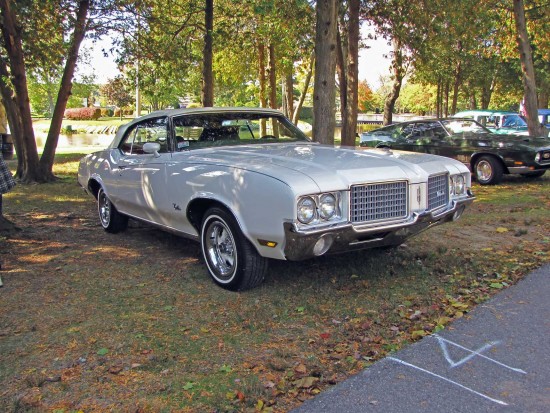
(232, 261)
(534, 174)
(111, 220)
(488, 170)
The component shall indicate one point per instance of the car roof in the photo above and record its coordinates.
(544, 111)
(190, 111)
(482, 112)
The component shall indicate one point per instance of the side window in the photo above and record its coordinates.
(436, 131)
(407, 131)
(151, 130)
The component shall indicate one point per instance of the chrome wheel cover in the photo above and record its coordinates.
(104, 209)
(220, 250)
(484, 171)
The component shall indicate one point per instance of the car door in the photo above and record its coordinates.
(141, 177)
(419, 137)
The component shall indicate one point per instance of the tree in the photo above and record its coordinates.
(116, 92)
(207, 75)
(528, 70)
(406, 24)
(348, 69)
(324, 120)
(366, 101)
(33, 34)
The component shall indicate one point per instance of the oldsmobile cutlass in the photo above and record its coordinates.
(250, 186)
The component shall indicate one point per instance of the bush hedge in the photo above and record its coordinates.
(125, 112)
(83, 113)
(106, 112)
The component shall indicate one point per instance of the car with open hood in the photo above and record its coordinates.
(250, 187)
(487, 154)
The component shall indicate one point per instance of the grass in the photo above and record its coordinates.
(97, 322)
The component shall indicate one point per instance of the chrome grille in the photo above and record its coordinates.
(438, 191)
(377, 202)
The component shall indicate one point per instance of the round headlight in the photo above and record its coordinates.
(459, 184)
(327, 206)
(306, 210)
(537, 157)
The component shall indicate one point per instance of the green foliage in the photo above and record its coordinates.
(117, 93)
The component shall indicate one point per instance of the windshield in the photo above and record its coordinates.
(463, 125)
(196, 131)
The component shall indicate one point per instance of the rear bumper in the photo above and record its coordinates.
(301, 245)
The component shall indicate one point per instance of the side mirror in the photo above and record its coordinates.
(152, 147)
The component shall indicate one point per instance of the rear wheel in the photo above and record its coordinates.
(232, 261)
(111, 220)
(488, 170)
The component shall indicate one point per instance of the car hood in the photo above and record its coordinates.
(326, 167)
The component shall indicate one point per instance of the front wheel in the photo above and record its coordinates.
(111, 220)
(488, 170)
(232, 261)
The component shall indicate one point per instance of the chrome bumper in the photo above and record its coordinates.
(301, 245)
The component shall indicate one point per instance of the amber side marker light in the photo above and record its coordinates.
(265, 243)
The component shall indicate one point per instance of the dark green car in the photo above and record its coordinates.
(488, 155)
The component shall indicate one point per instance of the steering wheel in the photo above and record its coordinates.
(269, 137)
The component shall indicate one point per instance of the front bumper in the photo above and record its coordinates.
(302, 245)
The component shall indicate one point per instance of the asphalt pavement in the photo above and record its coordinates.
(496, 359)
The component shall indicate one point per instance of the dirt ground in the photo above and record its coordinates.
(92, 321)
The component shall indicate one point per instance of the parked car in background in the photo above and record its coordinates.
(544, 117)
(250, 186)
(488, 155)
(501, 122)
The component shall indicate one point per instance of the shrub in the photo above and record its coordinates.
(83, 113)
(106, 112)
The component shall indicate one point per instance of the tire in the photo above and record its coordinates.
(232, 261)
(488, 170)
(533, 175)
(111, 220)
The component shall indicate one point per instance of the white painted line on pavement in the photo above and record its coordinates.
(448, 380)
(442, 343)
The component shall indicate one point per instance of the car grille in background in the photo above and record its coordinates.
(377, 202)
(438, 191)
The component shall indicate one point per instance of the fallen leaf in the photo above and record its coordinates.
(306, 382)
(300, 369)
(501, 230)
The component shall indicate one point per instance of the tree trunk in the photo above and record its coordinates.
(447, 91)
(543, 99)
(289, 93)
(324, 121)
(439, 98)
(207, 73)
(13, 116)
(349, 120)
(28, 169)
(48, 156)
(397, 81)
(529, 84)
(341, 73)
(307, 81)
(456, 85)
(272, 77)
(261, 75)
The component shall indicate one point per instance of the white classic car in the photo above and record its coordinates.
(250, 186)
